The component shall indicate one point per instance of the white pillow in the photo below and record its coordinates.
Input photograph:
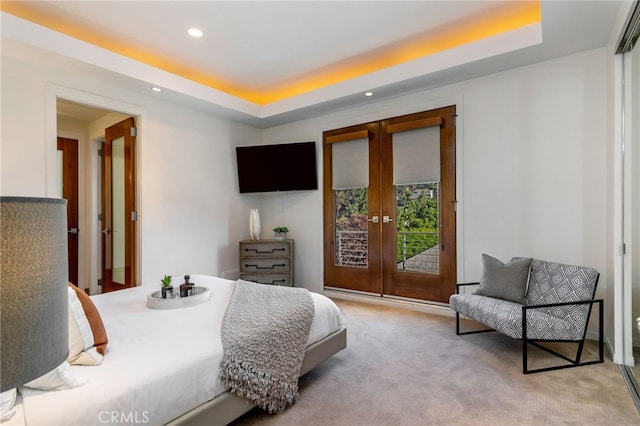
(59, 378)
(7, 401)
(81, 342)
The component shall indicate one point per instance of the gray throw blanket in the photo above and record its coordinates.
(264, 338)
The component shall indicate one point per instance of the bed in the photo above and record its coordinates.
(163, 366)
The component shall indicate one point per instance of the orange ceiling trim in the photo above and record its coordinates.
(508, 16)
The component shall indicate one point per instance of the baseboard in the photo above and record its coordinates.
(400, 303)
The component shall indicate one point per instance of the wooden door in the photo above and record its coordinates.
(118, 207)
(419, 200)
(68, 157)
(352, 236)
(393, 233)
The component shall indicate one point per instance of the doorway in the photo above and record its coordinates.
(390, 206)
(86, 123)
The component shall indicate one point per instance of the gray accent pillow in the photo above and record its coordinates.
(506, 281)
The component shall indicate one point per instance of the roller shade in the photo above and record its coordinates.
(416, 156)
(350, 162)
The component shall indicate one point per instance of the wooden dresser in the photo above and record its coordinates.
(267, 261)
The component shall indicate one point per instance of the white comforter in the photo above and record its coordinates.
(159, 363)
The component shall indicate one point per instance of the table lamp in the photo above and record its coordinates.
(33, 288)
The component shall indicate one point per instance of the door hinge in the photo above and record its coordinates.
(134, 216)
(99, 216)
(624, 249)
(100, 152)
(134, 132)
(99, 282)
(455, 120)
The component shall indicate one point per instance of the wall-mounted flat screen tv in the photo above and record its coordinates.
(281, 167)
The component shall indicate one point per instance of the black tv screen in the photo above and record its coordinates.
(282, 167)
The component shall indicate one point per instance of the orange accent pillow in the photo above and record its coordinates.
(95, 321)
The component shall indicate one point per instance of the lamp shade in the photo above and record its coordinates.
(34, 322)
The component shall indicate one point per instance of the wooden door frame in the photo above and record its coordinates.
(351, 280)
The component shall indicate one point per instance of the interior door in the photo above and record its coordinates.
(68, 166)
(118, 207)
(389, 206)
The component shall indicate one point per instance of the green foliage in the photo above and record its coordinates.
(417, 218)
(351, 209)
(416, 215)
(166, 281)
(281, 229)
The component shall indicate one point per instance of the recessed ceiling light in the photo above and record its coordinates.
(369, 94)
(156, 89)
(195, 32)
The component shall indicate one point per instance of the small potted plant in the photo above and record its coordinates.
(166, 285)
(281, 232)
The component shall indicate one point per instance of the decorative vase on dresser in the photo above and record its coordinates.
(267, 262)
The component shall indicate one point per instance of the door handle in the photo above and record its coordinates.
(106, 231)
(374, 219)
(387, 219)
(72, 231)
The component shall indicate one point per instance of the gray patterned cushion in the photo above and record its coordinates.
(548, 283)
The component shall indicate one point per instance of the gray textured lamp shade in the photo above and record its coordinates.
(33, 288)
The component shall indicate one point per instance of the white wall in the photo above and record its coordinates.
(531, 166)
(191, 215)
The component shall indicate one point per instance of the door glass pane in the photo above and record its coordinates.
(352, 245)
(416, 178)
(417, 210)
(118, 210)
(350, 172)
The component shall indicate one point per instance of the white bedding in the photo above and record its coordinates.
(159, 363)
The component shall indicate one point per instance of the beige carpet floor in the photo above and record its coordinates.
(409, 368)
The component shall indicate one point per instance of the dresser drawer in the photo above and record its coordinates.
(273, 279)
(265, 249)
(258, 264)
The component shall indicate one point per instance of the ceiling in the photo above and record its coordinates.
(271, 62)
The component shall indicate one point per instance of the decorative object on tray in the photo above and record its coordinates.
(254, 225)
(281, 232)
(197, 295)
(186, 288)
(167, 288)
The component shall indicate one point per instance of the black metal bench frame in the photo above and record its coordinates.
(536, 342)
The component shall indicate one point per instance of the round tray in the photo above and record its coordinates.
(200, 295)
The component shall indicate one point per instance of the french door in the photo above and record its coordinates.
(389, 206)
(118, 207)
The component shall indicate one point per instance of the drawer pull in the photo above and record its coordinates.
(265, 267)
(265, 251)
(272, 282)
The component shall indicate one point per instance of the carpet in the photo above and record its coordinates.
(409, 368)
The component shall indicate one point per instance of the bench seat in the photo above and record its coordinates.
(559, 301)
